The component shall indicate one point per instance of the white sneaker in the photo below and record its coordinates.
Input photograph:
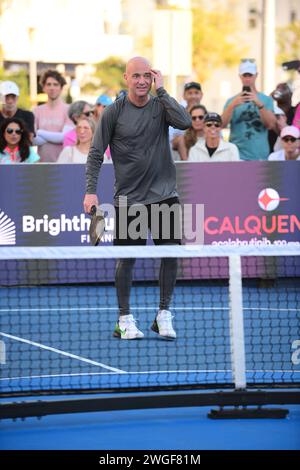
(163, 324)
(125, 328)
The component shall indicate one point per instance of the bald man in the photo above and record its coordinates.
(136, 128)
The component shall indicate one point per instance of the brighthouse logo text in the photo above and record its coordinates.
(55, 226)
(7, 230)
(62, 224)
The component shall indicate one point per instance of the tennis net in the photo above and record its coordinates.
(236, 313)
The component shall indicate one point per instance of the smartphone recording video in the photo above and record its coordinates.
(246, 89)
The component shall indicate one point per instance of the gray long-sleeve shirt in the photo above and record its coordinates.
(140, 150)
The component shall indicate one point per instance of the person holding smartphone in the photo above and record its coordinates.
(250, 115)
(136, 127)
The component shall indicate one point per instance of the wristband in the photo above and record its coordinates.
(261, 106)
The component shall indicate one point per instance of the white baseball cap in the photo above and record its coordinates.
(9, 88)
(291, 131)
(247, 66)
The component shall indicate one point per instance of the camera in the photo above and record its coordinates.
(277, 95)
(291, 65)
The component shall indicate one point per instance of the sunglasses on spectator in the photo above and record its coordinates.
(88, 113)
(9, 130)
(248, 60)
(289, 139)
(194, 118)
(215, 124)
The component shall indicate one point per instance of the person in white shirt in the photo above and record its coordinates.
(213, 148)
(78, 153)
(290, 136)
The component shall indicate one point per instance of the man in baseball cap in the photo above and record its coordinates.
(250, 115)
(9, 96)
(247, 66)
(213, 117)
(192, 95)
(213, 148)
(104, 100)
(101, 102)
(9, 88)
(190, 85)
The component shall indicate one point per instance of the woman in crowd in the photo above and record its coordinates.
(78, 153)
(290, 142)
(15, 143)
(194, 133)
(77, 110)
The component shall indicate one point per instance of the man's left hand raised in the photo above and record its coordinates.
(157, 78)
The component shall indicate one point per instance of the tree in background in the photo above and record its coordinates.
(216, 41)
(19, 76)
(21, 79)
(107, 78)
(288, 40)
(145, 46)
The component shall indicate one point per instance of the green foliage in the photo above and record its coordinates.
(21, 79)
(215, 41)
(145, 46)
(109, 75)
(288, 41)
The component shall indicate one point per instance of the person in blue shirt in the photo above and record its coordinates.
(15, 143)
(250, 115)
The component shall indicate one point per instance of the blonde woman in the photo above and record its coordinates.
(78, 153)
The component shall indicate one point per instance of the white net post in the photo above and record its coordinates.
(2, 353)
(236, 319)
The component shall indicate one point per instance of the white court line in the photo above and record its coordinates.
(76, 309)
(82, 374)
(63, 353)
(196, 371)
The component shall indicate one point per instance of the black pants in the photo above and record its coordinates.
(165, 227)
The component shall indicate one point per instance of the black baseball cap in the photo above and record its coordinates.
(190, 85)
(212, 117)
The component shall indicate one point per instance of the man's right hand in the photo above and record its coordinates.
(89, 201)
(241, 98)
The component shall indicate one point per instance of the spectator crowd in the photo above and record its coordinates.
(261, 127)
